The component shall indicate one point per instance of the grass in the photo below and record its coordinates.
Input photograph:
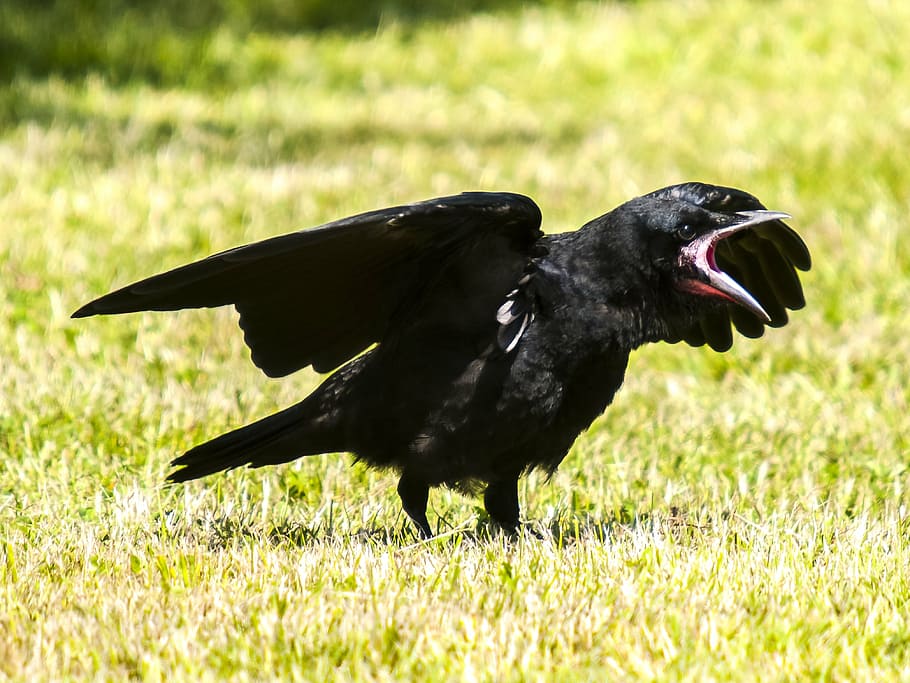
(731, 517)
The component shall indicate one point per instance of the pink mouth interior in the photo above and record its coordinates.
(709, 256)
(703, 288)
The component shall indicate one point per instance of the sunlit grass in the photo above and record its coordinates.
(732, 516)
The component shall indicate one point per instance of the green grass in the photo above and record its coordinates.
(731, 517)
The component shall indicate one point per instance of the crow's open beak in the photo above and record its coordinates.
(705, 276)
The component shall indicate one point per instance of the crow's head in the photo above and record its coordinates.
(716, 255)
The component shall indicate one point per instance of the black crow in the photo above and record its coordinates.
(493, 345)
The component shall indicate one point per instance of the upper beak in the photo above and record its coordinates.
(698, 255)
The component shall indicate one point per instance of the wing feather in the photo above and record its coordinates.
(320, 296)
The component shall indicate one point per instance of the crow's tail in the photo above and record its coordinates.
(278, 438)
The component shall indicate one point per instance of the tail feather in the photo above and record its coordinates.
(275, 439)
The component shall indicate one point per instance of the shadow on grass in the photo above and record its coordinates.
(166, 42)
(565, 531)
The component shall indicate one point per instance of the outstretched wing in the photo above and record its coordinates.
(763, 259)
(320, 296)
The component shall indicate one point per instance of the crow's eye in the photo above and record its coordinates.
(685, 232)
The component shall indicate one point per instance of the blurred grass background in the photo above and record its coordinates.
(731, 516)
(169, 42)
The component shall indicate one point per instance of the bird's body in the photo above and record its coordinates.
(496, 345)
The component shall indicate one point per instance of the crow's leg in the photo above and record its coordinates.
(414, 494)
(501, 501)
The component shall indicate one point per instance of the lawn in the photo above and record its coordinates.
(731, 517)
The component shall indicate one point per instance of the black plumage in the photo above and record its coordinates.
(495, 345)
